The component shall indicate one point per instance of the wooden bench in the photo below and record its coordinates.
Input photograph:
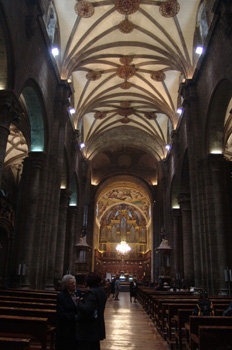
(215, 337)
(7, 343)
(27, 304)
(18, 311)
(33, 328)
(196, 321)
(29, 298)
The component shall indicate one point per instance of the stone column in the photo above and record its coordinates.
(9, 113)
(177, 242)
(219, 216)
(72, 214)
(185, 207)
(61, 233)
(36, 160)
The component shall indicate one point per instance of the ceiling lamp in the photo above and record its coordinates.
(99, 115)
(126, 85)
(126, 26)
(123, 247)
(158, 75)
(169, 8)
(84, 9)
(127, 7)
(93, 75)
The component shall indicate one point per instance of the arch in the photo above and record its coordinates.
(216, 117)
(74, 188)
(32, 100)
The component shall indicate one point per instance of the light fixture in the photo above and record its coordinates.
(168, 147)
(123, 247)
(82, 145)
(179, 111)
(199, 50)
(55, 51)
(72, 110)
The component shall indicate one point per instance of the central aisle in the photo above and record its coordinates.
(128, 327)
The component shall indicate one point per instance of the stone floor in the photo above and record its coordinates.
(128, 327)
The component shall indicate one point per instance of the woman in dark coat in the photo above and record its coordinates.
(66, 315)
(91, 324)
(133, 290)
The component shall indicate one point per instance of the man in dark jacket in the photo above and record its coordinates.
(66, 315)
(91, 324)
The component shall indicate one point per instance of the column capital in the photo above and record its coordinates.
(184, 200)
(10, 111)
(65, 194)
(37, 158)
(216, 161)
(175, 213)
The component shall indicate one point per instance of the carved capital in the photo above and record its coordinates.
(37, 159)
(9, 109)
(65, 196)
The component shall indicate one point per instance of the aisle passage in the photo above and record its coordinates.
(128, 327)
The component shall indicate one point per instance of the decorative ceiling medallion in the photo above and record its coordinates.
(125, 120)
(169, 8)
(84, 9)
(150, 115)
(125, 104)
(126, 59)
(99, 115)
(126, 72)
(126, 85)
(126, 26)
(127, 7)
(93, 75)
(124, 112)
(158, 75)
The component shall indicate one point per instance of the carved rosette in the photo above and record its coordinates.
(126, 85)
(84, 9)
(126, 26)
(124, 112)
(150, 115)
(127, 7)
(126, 60)
(169, 8)
(126, 72)
(158, 75)
(93, 75)
(99, 115)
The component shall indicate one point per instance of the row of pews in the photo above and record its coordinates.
(27, 319)
(171, 313)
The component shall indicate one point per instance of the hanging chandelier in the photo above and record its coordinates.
(123, 247)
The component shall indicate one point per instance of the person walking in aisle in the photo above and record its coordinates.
(117, 288)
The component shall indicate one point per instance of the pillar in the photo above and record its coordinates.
(185, 207)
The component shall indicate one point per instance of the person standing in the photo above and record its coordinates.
(90, 328)
(133, 290)
(117, 287)
(66, 308)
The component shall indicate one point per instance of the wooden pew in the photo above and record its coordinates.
(171, 310)
(41, 313)
(180, 319)
(196, 321)
(29, 293)
(29, 298)
(7, 343)
(27, 304)
(25, 327)
(211, 337)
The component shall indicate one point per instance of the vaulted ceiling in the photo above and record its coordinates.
(126, 59)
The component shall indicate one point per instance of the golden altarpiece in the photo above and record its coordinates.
(123, 223)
